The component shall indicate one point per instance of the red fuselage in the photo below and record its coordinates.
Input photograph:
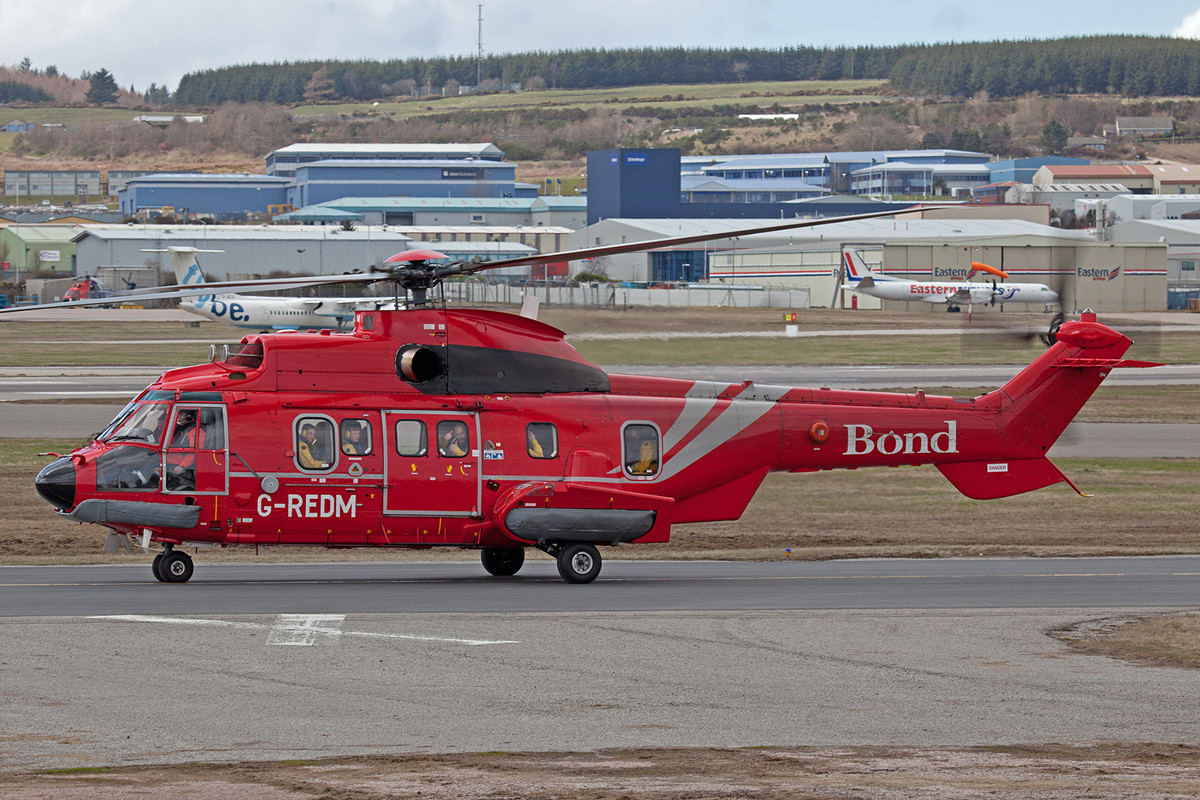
(481, 429)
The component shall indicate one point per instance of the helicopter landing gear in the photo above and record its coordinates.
(502, 561)
(172, 566)
(578, 562)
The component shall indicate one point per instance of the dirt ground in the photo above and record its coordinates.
(1049, 772)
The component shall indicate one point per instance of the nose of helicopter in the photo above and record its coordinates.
(56, 483)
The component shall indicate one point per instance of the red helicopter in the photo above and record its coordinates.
(439, 427)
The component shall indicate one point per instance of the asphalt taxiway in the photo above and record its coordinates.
(283, 661)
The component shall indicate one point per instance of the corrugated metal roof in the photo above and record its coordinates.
(207, 178)
(869, 230)
(371, 149)
(1097, 170)
(159, 233)
(366, 163)
(61, 234)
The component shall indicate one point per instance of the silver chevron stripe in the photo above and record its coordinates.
(739, 415)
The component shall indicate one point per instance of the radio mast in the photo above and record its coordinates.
(479, 57)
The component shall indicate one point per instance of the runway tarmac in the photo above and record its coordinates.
(280, 662)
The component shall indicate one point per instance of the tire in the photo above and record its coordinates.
(176, 567)
(154, 565)
(502, 561)
(579, 563)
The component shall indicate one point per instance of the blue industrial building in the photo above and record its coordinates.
(647, 184)
(286, 160)
(322, 181)
(224, 197)
(1020, 170)
(570, 212)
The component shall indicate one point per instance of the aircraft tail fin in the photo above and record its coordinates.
(184, 264)
(857, 270)
(1036, 406)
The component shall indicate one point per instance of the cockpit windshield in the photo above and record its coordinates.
(140, 421)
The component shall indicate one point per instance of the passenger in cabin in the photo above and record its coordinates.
(535, 447)
(647, 463)
(352, 439)
(181, 455)
(641, 450)
(453, 440)
(307, 450)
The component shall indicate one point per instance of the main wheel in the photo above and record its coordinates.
(176, 567)
(579, 563)
(502, 561)
(154, 565)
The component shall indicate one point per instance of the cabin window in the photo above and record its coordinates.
(454, 440)
(411, 438)
(356, 437)
(541, 440)
(314, 443)
(641, 444)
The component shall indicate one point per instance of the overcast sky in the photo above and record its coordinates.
(141, 43)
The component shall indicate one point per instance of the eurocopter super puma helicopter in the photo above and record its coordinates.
(439, 427)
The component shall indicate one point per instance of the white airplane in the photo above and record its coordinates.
(252, 311)
(860, 278)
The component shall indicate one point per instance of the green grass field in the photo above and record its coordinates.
(666, 96)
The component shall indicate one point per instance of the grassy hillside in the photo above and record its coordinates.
(762, 94)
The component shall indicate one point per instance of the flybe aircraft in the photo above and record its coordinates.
(860, 278)
(266, 313)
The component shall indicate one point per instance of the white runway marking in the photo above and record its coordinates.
(302, 629)
(298, 629)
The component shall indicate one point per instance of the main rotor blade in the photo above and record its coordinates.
(655, 244)
(202, 289)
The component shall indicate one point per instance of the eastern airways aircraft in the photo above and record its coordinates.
(861, 279)
(263, 313)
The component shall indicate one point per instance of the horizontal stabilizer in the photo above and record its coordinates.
(1105, 363)
(987, 480)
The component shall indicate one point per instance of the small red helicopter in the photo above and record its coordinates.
(439, 427)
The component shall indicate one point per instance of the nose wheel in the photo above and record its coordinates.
(172, 566)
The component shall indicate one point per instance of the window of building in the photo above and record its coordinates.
(315, 451)
(541, 440)
(1188, 266)
(641, 450)
(411, 437)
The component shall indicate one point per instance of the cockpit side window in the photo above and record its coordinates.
(145, 423)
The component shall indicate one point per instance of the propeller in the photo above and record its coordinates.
(418, 271)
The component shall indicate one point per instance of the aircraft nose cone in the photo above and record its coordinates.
(56, 483)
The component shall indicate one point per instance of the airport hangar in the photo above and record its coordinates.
(1106, 276)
